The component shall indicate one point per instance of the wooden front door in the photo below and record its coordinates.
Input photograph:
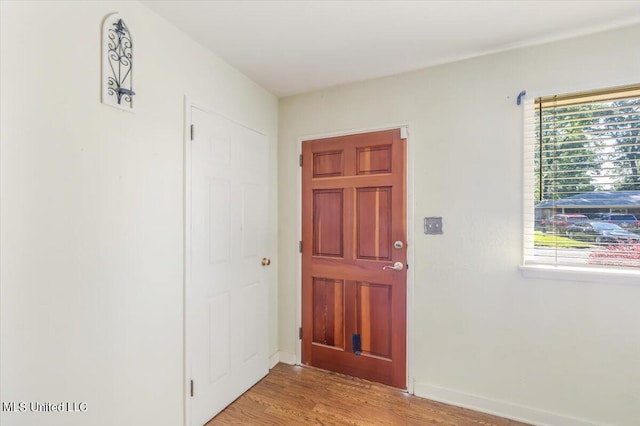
(353, 233)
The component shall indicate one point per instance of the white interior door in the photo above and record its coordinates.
(226, 321)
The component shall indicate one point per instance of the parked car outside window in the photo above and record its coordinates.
(560, 222)
(601, 233)
(627, 221)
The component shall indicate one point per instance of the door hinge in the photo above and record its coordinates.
(300, 160)
(191, 388)
(300, 333)
(300, 246)
(191, 130)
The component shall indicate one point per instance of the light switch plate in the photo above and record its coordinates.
(433, 225)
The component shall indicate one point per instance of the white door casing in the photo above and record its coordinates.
(226, 288)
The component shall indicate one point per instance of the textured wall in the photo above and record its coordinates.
(92, 211)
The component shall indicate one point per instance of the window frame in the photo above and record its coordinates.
(528, 267)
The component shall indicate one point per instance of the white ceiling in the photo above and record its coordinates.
(291, 47)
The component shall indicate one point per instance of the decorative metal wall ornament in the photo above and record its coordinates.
(117, 63)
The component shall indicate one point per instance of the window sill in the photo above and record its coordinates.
(574, 273)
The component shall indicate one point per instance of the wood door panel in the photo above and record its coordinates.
(252, 202)
(373, 223)
(218, 317)
(374, 318)
(374, 160)
(327, 164)
(328, 308)
(219, 220)
(327, 222)
(353, 208)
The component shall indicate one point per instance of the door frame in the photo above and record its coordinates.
(406, 130)
(186, 270)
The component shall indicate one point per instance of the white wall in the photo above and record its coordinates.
(549, 351)
(91, 210)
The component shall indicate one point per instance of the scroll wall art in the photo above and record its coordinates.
(117, 63)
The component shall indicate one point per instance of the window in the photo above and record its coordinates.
(582, 179)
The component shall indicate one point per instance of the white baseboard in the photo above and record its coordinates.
(497, 407)
(283, 357)
(288, 358)
(273, 360)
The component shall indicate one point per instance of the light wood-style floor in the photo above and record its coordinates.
(291, 395)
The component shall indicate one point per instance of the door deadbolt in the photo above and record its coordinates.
(398, 244)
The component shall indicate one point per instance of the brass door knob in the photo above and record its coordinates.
(266, 262)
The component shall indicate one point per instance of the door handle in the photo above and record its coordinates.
(398, 266)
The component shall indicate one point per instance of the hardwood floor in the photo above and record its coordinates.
(291, 395)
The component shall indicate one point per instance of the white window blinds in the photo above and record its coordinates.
(582, 179)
